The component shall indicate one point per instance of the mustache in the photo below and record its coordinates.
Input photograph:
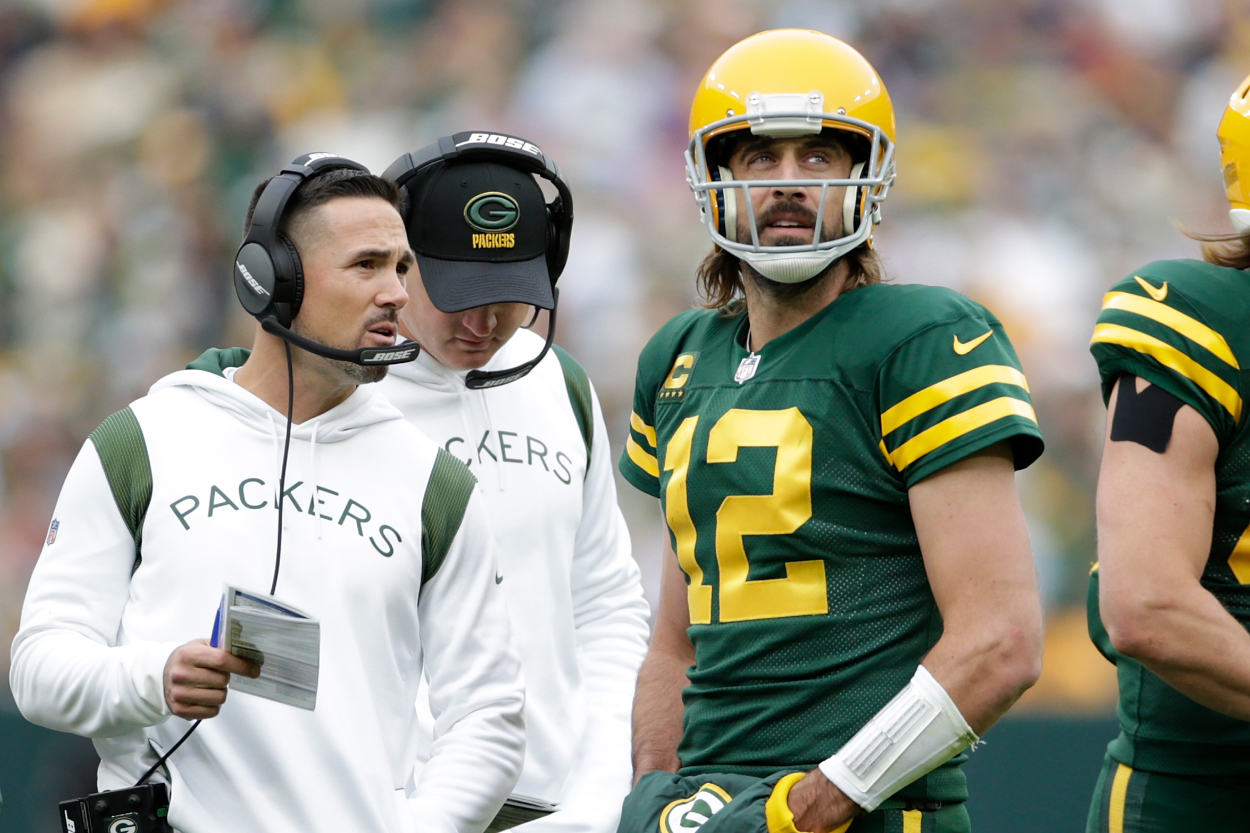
(388, 316)
(794, 209)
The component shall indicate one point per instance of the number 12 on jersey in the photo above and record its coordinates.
(803, 591)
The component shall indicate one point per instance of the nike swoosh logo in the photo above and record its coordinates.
(1158, 294)
(498, 578)
(964, 349)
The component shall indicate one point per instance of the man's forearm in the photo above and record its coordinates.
(986, 671)
(658, 713)
(1193, 643)
(67, 682)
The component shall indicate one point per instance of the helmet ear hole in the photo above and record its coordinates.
(853, 202)
(727, 202)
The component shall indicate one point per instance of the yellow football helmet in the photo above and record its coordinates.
(1234, 135)
(791, 82)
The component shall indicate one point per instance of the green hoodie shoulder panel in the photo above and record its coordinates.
(446, 498)
(124, 455)
(578, 385)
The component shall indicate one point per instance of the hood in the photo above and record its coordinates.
(429, 372)
(211, 377)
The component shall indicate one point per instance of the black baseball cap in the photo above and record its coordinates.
(481, 233)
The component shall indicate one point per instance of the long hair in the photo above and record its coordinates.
(1231, 250)
(720, 275)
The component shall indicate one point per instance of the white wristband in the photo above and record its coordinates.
(913, 734)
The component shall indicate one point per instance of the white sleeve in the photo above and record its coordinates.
(68, 673)
(475, 685)
(610, 616)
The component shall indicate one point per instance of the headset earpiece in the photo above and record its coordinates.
(290, 295)
(254, 278)
(558, 238)
(853, 202)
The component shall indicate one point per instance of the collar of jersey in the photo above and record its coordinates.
(783, 343)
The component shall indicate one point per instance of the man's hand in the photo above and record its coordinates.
(819, 806)
(196, 675)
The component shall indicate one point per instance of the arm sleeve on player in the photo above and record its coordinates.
(1168, 343)
(640, 460)
(949, 391)
(67, 672)
(475, 685)
(610, 620)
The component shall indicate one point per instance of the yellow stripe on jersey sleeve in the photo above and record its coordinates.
(954, 427)
(1190, 328)
(1169, 356)
(946, 390)
(641, 427)
(641, 458)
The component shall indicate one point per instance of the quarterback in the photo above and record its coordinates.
(852, 600)
(1169, 600)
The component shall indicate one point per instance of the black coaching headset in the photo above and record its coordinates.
(514, 152)
(268, 275)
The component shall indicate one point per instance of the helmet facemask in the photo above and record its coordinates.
(722, 199)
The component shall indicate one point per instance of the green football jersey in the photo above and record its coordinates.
(783, 476)
(1181, 325)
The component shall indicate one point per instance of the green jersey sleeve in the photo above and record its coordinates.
(640, 459)
(1150, 329)
(950, 390)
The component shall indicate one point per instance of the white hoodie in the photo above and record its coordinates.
(94, 639)
(573, 588)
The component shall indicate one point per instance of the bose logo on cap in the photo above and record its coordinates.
(497, 139)
(247, 276)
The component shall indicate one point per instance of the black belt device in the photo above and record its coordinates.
(139, 809)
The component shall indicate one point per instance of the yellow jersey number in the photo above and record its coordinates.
(1239, 558)
(802, 592)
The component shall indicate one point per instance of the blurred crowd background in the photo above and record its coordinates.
(1045, 149)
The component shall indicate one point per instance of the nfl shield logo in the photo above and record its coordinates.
(747, 368)
(52, 532)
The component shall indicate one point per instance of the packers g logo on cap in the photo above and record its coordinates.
(492, 213)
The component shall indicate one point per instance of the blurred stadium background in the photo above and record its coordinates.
(1046, 148)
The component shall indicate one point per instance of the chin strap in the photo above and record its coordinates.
(792, 268)
(478, 379)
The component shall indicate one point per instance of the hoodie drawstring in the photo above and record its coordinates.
(499, 466)
(277, 461)
(312, 468)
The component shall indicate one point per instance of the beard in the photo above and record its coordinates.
(359, 374)
(777, 290)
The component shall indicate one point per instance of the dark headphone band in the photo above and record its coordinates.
(270, 208)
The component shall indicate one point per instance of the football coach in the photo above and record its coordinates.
(279, 471)
(523, 415)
